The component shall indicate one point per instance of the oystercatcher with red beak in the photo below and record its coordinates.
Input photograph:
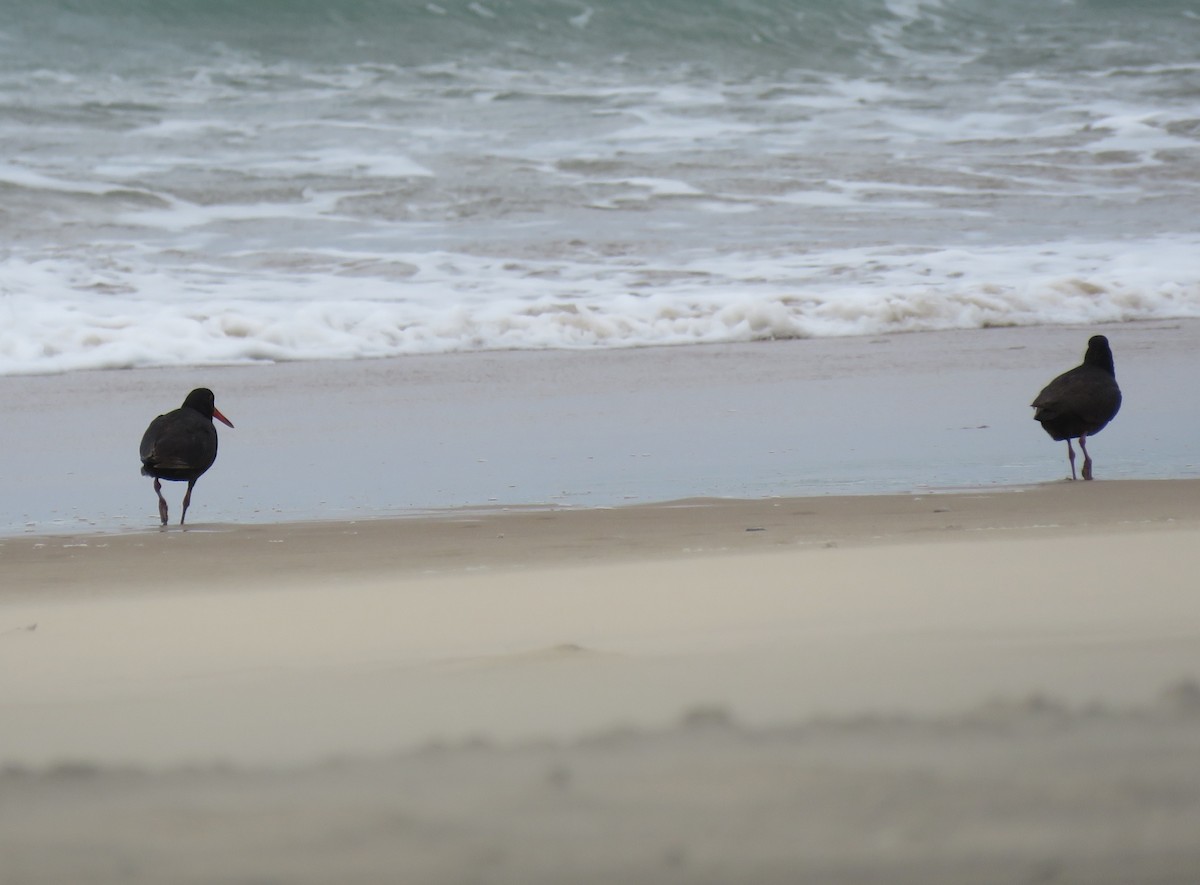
(181, 445)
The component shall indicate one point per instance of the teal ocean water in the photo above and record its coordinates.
(191, 182)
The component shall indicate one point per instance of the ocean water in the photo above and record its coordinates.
(191, 182)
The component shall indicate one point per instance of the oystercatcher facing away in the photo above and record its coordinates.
(1079, 403)
(181, 445)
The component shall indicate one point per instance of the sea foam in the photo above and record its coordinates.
(209, 184)
(56, 321)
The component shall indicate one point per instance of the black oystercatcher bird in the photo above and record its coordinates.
(181, 445)
(1079, 403)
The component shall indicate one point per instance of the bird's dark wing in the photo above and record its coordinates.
(150, 438)
(1055, 397)
(1084, 395)
(179, 441)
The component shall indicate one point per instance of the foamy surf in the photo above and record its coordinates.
(208, 184)
(337, 306)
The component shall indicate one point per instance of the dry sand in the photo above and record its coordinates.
(978, 687)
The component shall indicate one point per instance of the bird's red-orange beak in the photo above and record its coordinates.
(221, 418)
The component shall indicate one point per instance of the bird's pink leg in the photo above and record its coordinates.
(187, 499)
(1087, 459)
(1071, 457)
(162, 502)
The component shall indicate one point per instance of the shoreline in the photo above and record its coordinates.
(457, 539)
(917, 412)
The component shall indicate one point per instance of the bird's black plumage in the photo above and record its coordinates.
(1080, 403)
(181, 445)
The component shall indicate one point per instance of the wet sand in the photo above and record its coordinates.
(336, 441)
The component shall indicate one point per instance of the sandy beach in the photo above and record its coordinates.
(632, 475)
(985, 686)
(799, 611)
